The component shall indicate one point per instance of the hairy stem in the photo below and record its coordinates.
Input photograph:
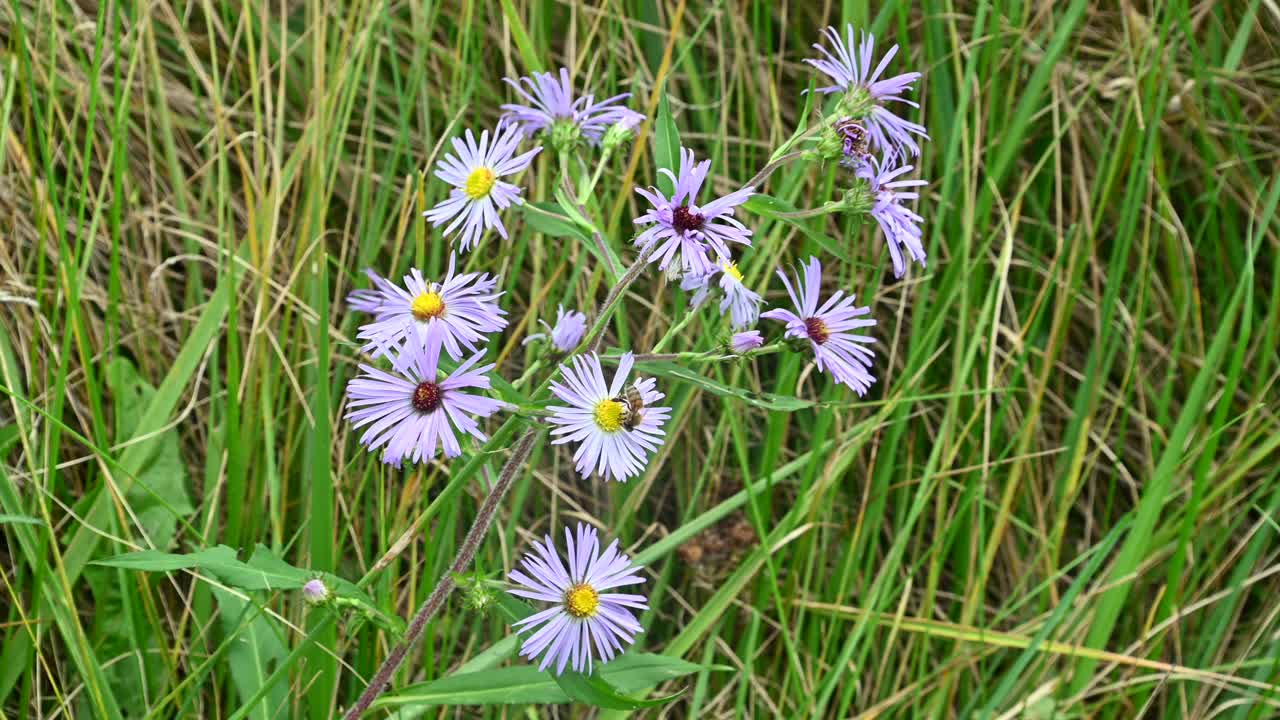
(591, 342)
(484, 519)
(768, 169)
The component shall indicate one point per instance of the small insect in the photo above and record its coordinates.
(632, 401)
(855, 137)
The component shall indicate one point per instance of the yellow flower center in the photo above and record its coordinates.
(608, 415)
(731, 269)
(479, 183)
(428, 305)
(582, 601)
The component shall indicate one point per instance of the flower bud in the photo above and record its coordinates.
(564, 135)
(476, 595)
(859, 199)
(621, 132)
(856, 103)
(745, 341)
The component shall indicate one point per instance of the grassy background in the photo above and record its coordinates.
(1059, 501)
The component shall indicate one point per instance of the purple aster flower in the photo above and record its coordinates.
(454, 314)
(367, 301)
(901, 225)
(745, 341)
(836, 350)
(586, 621)
(743, 304)
(851, 69)
(314, 591)
(551, 101)
(478, 194)
(412, 411)
(616, 427)
(681, 226)
(567, 332)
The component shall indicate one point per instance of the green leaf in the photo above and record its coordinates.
(501, 686)
(772, 208)
(548, 219)
(768, 401)
(19, 520)
(666, 139)
(591, 689)
(8, 438)
(599, 249)
(255, 649)
(263, 570)
(595, 690)
(159, 496)
(525, 684)
(516, 27)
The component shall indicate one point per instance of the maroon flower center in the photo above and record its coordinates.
(817, 330)
(426, 397)
(684, 219)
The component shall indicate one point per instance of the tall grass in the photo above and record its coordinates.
(1060, 500)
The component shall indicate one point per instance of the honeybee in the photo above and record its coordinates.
(855, 137)
(632, 401)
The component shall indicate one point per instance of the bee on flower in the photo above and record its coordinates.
(615, 428)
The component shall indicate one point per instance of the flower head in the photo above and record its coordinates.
(743, 304)
(745, 341)
(585, 621)
(616, 427)
(314, 591)
(866, 94)
(680, 226)
(553, 108)
(412, 411)
(479, 193)
(901, 225)
(567, 332)
(836, 350)
(456, 313)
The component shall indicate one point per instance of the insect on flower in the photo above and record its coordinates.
(632, 402)
(612, 439)
(855, 138)
(866, 94)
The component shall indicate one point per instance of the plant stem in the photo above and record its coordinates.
(533, 367)
(585, 189)
(675, 329)
(591, 342)
(827, 208)
(768, 169)
(484, 519)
